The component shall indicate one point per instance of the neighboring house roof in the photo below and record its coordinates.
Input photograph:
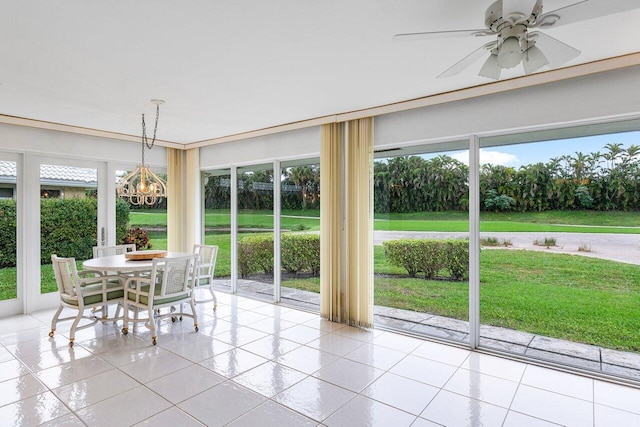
(54, 175)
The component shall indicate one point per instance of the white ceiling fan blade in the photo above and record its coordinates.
(491, 69)
(587, 9)
(556, 52)
(517, 10)
(441, 35)
(456, 68)
(533, 59)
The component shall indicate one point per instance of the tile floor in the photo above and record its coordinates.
(256, 364)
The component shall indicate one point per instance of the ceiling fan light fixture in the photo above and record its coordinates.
(509, 54)
(491, 69)
(533, 60)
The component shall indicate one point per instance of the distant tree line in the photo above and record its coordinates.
(608, 180)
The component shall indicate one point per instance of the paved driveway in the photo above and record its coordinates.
(615, 247)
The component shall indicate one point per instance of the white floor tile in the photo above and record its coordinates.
(335, 344)
(442, 353)
(233, 362)
(126, 408)
(185, 383)
(20, 388)
(450, 409)
(421, 422)
(348, 374)
(221, 404)
(272, 325)
(486, 388)
(367, 412)
(73, 371)
(559, 382)
(69, 420)
(271, 347)
(358, 333)
(402, 393)
(606, 416)
(553, 407)
(302, 334)
(271, 414)
(314, 398)
(13, 369)
(202, 349)
(424, 370)
(245, 318)
(495, 366)
(617, 396)
(397, 342)
(270, 378)
(171, 417)
(80, 394)
(297, 316)
(376, 356)
(516, 419)
(149, 369)
(323, 324)
(33, 410)
(59, 356)
(239, 336)
(307, 359)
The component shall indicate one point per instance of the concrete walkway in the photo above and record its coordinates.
(626, 364)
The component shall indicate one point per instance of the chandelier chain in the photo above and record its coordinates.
(145, 140)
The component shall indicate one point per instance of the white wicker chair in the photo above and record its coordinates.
(168, 285)
(80, 290)
(100, 251)
(206, 269)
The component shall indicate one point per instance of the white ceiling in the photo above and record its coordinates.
(226, 67)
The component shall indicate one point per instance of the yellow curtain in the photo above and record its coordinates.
(331, 221)
(175, 200)
(359, 219)
(346, 217)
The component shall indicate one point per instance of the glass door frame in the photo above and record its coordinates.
(34, 300)
(17, 305)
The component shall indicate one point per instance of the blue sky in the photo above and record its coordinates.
(523, 154)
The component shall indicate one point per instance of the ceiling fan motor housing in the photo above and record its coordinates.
(496, 21)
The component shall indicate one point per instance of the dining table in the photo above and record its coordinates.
(122, 264)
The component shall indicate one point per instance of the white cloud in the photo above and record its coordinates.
(492, 157)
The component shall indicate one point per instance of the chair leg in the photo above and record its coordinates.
(54, 321)
(125, 320)
(213, 295)
(195, 313)
(74, 325)
(152, 325)
(118, 307)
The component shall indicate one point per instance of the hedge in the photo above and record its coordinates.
(68, 228)
(430, 256)
(299, 253)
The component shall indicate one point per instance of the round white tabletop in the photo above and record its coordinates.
(120, 263)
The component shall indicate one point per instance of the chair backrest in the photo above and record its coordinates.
(66, 274)
(173, 275)
(207, 262)
(100, 251)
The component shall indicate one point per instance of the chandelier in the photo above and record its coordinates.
(142, 186)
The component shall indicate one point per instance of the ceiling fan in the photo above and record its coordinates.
(511, 21)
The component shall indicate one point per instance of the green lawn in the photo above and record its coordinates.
(570, 297)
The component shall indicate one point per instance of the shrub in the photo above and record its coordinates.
(496, 202)
(138, 236)
(430, 256)
(8, 233)
(255, 254)
(406, 253)
(68, 227)
(456, 258)
(546, 242)
(299, 227)
(300, 252)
